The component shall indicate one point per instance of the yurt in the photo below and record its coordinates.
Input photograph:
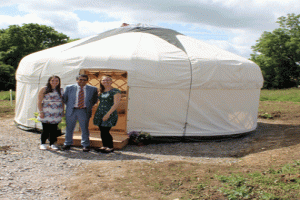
(172, 84)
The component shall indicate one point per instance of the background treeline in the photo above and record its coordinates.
(277, 52)
(19, 41)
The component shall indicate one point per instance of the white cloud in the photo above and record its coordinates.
(5, 3)
(236, 49)
(247, 14)
(5, 20)
(86, 28)
(235, 24)
(239, 41)
(63, 21)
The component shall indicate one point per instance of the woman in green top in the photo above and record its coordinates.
(106, 115)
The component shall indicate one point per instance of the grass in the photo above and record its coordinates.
(287, 95)
(5, 95)
(6, 109)
(279, 104)
(283, 183)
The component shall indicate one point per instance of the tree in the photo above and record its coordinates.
(72, 40)
(19, 41)
(7, 77)
(278, 53)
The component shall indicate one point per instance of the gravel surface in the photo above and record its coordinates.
(29, 173)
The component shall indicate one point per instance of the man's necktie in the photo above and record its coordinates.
(81, 98)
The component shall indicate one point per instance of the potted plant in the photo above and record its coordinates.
(61, 125)
(139, 138)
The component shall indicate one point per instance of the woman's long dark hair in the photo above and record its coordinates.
(102, 86)
(49, 88)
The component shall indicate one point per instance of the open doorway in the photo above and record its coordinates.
(118, 132)
(119, 81)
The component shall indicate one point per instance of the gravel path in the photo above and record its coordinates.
(29, 173)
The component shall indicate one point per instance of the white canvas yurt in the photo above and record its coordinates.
(173, 85)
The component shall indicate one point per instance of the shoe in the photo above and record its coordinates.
(108, 150)
(53, 147)
(86, 149)
(101, 149)
(43, 147)
(66, 147)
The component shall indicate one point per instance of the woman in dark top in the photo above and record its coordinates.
(106, 115)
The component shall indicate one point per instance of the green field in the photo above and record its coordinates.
(5, 95)
(291, 95)
(7, 108)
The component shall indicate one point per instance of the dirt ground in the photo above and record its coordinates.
(275, 142)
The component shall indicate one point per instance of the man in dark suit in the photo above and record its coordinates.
(79, 99)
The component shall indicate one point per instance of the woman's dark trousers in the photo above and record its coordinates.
(49, 131)
(106, 137)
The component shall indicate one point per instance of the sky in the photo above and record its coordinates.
(233, 25)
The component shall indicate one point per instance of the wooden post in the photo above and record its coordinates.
(11, 103)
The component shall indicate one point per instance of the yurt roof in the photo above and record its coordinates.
(153, 57)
